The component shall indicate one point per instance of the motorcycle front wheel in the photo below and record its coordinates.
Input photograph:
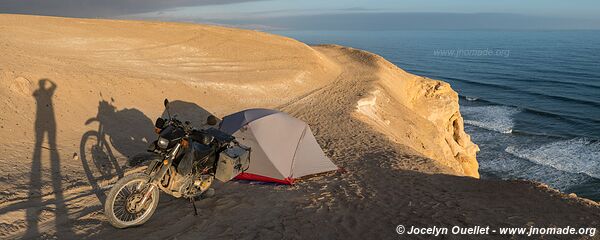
(122, 203)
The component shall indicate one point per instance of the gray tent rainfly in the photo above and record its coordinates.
(283, 147)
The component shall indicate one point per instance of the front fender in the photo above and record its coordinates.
(153, 166)
(91, 120)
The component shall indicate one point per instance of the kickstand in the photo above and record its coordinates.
(194, 205)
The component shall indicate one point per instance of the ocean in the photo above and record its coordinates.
(530, 99)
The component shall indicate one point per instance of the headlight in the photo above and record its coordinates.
(162, 142)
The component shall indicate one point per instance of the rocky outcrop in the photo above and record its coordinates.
(420, 113)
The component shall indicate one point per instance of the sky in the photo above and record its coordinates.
(333, 14)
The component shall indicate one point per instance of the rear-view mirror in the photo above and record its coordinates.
(211, 120)
(160, 122)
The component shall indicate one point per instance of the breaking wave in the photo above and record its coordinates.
(495, 118)
(578, 155)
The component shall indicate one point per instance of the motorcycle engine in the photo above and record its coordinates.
(178, 185)
(184, 184)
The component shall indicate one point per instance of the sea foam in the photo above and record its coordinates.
(495, 118)
(578, 155)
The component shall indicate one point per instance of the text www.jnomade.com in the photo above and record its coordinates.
(481, 230)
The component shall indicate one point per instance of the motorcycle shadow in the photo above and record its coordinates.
(120, 141)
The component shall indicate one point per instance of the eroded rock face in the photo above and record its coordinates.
(463, 149)
(438, 103)
(420, 113)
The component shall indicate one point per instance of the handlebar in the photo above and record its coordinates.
(222, 138)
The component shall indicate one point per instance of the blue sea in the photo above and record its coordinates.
(530, 99)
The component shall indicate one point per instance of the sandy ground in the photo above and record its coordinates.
(79, 97)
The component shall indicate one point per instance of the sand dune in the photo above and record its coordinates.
(79, 97)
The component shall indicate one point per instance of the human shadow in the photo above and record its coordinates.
(45, 125)
(125, 131)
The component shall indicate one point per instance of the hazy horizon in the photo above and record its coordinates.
(333, 15)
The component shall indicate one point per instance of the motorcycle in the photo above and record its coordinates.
(190, 160)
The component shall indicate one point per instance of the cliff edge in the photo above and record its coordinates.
(79, 98)
(420, 113)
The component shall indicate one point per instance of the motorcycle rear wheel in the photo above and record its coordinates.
(124, 197)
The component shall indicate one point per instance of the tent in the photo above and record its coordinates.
(283, 147)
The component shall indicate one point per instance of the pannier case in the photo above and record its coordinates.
(232, 162)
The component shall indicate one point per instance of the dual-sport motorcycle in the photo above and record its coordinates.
(190, 159)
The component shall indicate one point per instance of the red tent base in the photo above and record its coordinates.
(254, 177)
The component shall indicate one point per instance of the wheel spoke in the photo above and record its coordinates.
(130, 192)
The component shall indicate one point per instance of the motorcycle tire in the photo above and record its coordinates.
(116, 208)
